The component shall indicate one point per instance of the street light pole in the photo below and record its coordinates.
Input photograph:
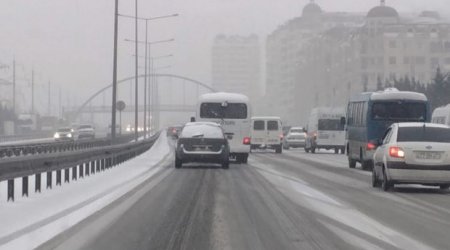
(114, 88)
(14, 86)
(145, 79)
(136, 103)
(32, 91)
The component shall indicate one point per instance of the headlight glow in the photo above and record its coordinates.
(56, 136)
(69, 135)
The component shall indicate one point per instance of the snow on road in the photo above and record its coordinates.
(29, 222)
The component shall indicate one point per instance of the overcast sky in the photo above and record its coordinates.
(69, 42)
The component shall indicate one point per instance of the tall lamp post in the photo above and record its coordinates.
(146, 73)
(114, 87)
(145, 91)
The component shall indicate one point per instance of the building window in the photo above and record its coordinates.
(392, 60)
(392, 44)
(406, 60)
(420, 60)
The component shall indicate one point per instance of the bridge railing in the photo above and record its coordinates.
(81, 163)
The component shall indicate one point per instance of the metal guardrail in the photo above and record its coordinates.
(35, 148)
(9, 138)
(82, 163)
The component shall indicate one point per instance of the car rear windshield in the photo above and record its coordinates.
(330, 124)
(202, 131)
(272, 125)
(258, 125)
(296, 131)
(64, 130)
(230, 111)
(400, 111)
(423, 134)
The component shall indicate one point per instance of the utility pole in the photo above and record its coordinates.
(14, 86)
(60, 105)
(145, 77)
(114, 89)
(32, 91)
(136, 101)
(48, 99)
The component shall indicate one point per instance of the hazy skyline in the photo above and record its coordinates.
(70, 42)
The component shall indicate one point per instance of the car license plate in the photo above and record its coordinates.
(423, 155)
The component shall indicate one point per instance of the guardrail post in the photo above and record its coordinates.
(74, 173)
(49, 180)
(97, 164)
(58, 177)
(93, 167)
(10, 190)
(25, 186)
(66, 175)
(37, 187)
(81, 170)
(87, 166)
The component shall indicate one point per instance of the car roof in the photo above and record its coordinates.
(296, 128)
(266, 118)
(202, 123)
(420, 124)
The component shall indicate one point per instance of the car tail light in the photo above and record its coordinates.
(371, 146)
(396, 152)
(281, 137)
(246, 141)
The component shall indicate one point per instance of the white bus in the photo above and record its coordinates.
(441, 115)
(325, 130)
(233, 112)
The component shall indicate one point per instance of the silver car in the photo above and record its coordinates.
(295, 138)
(413, 153)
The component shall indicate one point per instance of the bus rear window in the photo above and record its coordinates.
(401, 111)
(423, 134)
(216, 110)
(330, 124)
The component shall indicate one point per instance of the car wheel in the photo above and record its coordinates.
(226, 165)
(278, 149)
(306, 150)
(375, 180)
(313, 150)
(386, 184)
(367, 165)
(336, 150)
(351, 163)
(286, 147)
(178, 163)
(343, 150)
(444, 187)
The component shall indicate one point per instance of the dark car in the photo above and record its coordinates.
(202, 142)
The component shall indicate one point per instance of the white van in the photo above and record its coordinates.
(325, 130)
(441, 115)
(233, 112)
(267, 132)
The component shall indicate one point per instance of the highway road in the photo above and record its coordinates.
(289, 201)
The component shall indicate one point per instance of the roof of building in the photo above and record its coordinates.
(382, 11)
(312, 9)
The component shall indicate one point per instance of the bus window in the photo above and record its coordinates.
(216, 110)
(399, 111)
(258, 125)
(272, 125)
(330, 125)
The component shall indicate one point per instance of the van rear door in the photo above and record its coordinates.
(274, 132)
(259, 132)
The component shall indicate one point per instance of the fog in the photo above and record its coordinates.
(69, 43)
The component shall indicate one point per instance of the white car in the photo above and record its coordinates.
(85, 131)
(413, 153)
(295, 138)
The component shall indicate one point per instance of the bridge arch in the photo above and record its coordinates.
(83, 106)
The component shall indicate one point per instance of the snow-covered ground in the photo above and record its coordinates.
(29, 222)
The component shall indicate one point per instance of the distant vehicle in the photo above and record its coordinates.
(413, 153)
(62, 134)
(232, 112)
(202, 142)
(286, 130)
(441, 115)
(295, 138)
(174, 131)
(267, 132)
(325, 130)
(370, 114)
(86, 131)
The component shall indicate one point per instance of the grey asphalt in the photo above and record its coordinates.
(261, 205)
